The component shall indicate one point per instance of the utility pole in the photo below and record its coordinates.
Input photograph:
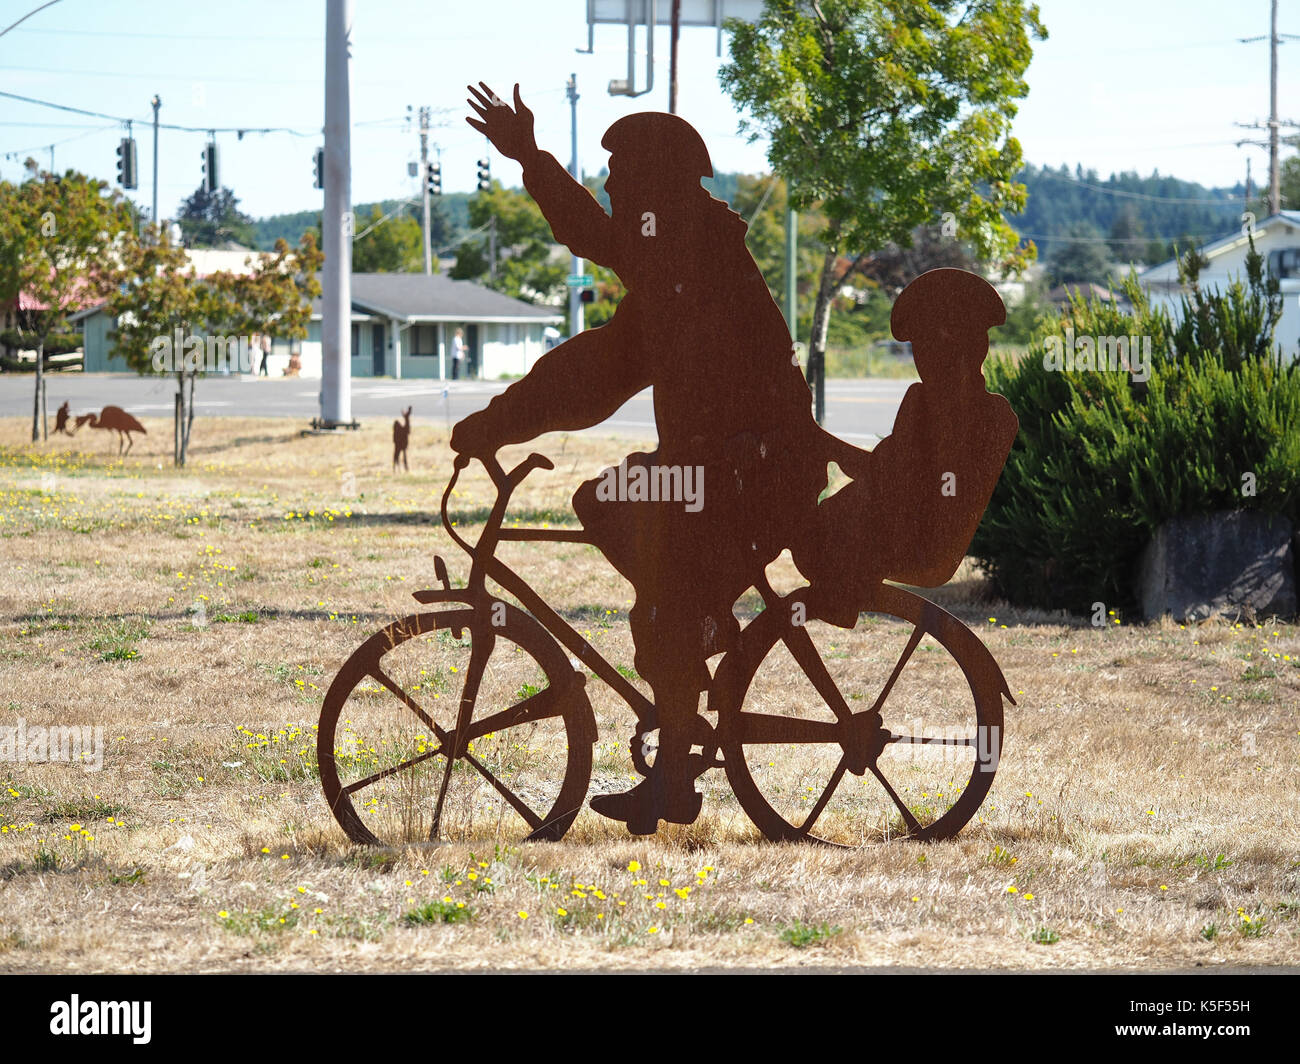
(672, 56)
(492, 249)
(424, 183)
(153, 217)
(576, 323)
(1274, 125)
(337, 221)
(1274, 174)
(791, 266)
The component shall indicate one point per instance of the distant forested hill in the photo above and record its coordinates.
(291, 226)
(1138, 216)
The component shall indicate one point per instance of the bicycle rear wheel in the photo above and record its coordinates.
(901, 739)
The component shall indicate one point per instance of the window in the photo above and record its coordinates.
(424, 341)
(1284, 263)
(356, 340)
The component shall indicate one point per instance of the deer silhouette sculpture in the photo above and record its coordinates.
(115, 419)
(401, 437)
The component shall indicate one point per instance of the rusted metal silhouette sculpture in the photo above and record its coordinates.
(736, 478)
(61, 419)
(401, 437)
(116, 419)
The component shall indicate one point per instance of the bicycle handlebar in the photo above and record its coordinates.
(505, 485)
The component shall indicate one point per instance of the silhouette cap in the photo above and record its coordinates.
(658, 139)
(944, 302)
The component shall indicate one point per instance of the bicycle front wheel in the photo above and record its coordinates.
(387, 730)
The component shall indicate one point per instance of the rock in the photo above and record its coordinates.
(1234, 562)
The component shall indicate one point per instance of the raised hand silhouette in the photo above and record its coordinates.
(510, 131)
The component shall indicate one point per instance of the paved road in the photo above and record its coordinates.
(859, 410)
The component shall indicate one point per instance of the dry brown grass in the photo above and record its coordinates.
(1147, 792)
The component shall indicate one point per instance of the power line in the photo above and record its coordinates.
(1222, 201)
(314, 39)
(1200, 239)
(27, 16)
(401, 206)
(14, 153)
(241, 130)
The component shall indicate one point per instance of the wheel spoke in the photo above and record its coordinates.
(773, 728)
(478, 657)
(517, 803)
(408, 701)
(816, 811)
(534, 708)
(929, 740)
(898, 668)
(391, 770)
(913, 825)
(805, 653)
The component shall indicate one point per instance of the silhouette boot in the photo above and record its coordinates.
(667, 793)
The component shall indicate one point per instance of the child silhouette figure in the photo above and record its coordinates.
(911, 511)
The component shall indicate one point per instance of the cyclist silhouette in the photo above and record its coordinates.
(699, 326)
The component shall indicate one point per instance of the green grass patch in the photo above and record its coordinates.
(801, 935)
(438, 912)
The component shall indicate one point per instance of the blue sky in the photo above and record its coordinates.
(1120, 85)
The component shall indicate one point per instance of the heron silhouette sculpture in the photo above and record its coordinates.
(116, 419)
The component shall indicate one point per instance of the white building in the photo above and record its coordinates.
(402, 327)
(1277, 238)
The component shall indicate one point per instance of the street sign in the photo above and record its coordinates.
(579, 280)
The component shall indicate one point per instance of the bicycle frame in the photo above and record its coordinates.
(484, 564)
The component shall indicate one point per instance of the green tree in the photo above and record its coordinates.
(388, 245)
(1125, 235)
(761, 200)
(895, 266)
(888, 113)
(213, 219)
(607, 293)
(1290, 184)
(525, 268)
(1081, 257)
(164, 294)
(60, 237)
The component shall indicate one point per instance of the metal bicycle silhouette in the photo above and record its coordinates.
(738, 477)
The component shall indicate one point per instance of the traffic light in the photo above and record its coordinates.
(588, 296)
(126, 162)
(319, 180)
(484, 175)
(435, 179)
(211, 182)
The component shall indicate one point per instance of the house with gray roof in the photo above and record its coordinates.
(402, 327)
